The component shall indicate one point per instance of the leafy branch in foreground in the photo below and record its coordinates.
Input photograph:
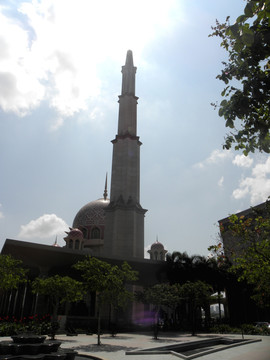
(246, 75)
(251, 260)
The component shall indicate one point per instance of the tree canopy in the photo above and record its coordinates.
(59, 289)
(195, 294)
(159, 295)
(251, 260)
(246, 74)
(192, 295)
(108, 281)
(12, 272)
(182, 268)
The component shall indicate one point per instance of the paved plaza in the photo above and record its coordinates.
(114, 348)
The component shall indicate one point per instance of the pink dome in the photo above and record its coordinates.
(91, 214)
(157, 246)
(75, 234)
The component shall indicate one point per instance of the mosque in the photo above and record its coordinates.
(111, 229)
(115, 227)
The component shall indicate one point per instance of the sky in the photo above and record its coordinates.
(60, 77)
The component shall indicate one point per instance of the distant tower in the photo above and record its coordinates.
(124, 223)
(157, 251)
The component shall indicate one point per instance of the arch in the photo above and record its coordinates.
(95, 233)
(84, 231)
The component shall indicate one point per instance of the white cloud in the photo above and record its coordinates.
(256, 186)
(216, 157)
(20, 89)
(242, 161)
(47, 225)
(58, 55)
(221, 181)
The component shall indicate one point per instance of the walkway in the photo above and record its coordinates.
(114, 348)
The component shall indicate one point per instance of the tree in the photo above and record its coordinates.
(12, 273)
(251, 256)
(160, 295)
(246, 75)
(59, 290)
(195, 294)
(182, 268)
(108, 281)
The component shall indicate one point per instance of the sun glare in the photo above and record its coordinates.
(70, 40)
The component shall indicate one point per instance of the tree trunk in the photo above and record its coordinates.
(98, 328)
(193, 319)
(156, 323)
(54, 322)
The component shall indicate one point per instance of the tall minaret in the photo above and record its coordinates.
(124, 227)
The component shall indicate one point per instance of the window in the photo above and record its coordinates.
(70, 245)
(95, 233)
(84, 231)
(77, 244)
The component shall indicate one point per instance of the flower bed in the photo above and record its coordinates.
(40, 325)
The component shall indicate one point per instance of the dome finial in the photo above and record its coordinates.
(105, 194)
(55, 244)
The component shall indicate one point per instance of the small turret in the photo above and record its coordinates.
(157, 251)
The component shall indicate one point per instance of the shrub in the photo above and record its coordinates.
(247, 329)
(250, 329)
(39, 325)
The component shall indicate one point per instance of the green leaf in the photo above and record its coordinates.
(249, 9)
(223, 103)
(234, 30)
(247, 36)
(229, 123)
(224, 91)
(241, 18)
(248, 39)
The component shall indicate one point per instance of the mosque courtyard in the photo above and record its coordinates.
(115, 348)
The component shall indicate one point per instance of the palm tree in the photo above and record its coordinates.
(181, 268)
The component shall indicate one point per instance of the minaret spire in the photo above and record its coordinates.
(129, 59)
(125, 182)
(124, 228)
(105, 194)
(128, 71)
(127, 120)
